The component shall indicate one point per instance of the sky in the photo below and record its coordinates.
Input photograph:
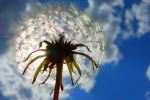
(125, 72)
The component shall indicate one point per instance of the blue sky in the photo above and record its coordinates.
(125, 74)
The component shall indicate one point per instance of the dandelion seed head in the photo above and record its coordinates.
(48, 24)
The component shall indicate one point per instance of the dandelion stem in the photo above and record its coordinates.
(59, 68)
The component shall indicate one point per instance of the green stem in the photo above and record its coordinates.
(59, 68)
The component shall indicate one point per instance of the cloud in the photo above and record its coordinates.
(146, 1)
(13, 85)
(148, 73)
(138, 16)
(87, 84)
(136, 22)
(147, 94)
(103, 11)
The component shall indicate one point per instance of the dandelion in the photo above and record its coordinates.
(57, 43)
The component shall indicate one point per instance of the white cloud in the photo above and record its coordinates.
(87, 84)
(96, 3)
(148, 73)
(14, 85)
(147, 95)
(146, 1)
(102, 10)
(140, 14)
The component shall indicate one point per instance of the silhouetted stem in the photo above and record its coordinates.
(59, 68)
